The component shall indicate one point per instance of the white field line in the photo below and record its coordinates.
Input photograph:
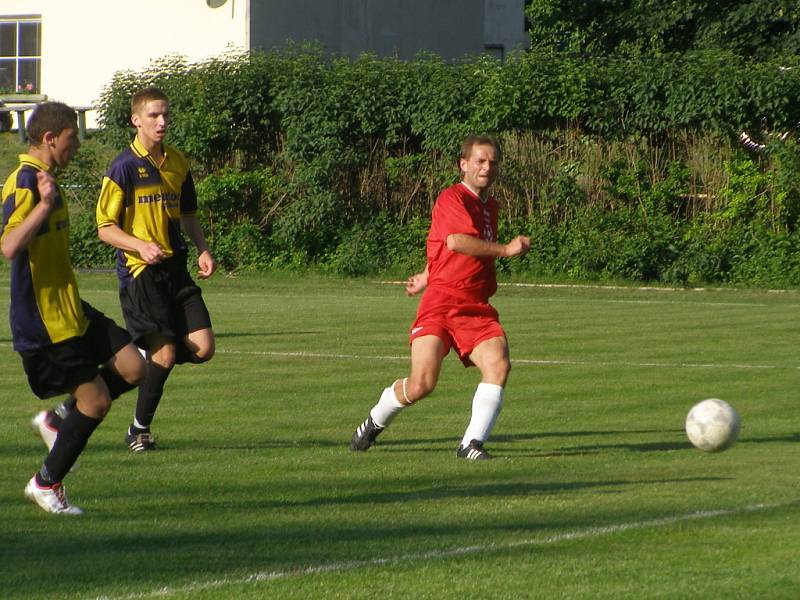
(569, 286)
(642, 288)
(515, 361)
(351, 565)
(89, 292)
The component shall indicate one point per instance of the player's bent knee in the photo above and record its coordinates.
(205, 354)
(165, 362)
(95, 406)
(497, 371)
(129, 365)
(506, 368)
(103, 408)
(417, 390)
(135, 373)
(133, 378)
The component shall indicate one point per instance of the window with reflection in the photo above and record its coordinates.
(20, 54)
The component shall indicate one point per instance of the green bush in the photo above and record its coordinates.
(235, 209)
(762, 28)
(85, 248)
(303, 158)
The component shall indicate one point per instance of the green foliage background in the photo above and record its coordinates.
(762, 29)
(620, 165)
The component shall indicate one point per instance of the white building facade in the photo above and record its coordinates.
(71, 50)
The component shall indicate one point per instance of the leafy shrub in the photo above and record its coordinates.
(303, 158)
(85, 248)
(235, 209)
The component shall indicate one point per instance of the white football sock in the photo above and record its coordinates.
(486, 405)
(386, 408)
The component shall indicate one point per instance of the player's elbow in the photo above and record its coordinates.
(452, 242)
(9, 250)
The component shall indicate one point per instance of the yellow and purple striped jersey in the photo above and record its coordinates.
(45, 305)
(146, 201)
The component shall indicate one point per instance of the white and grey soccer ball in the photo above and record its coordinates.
(712, 425)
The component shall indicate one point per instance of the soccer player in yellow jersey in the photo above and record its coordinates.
(60, 338)
(147, 202)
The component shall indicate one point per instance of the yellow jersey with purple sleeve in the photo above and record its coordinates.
(146, 200)
(45, 305)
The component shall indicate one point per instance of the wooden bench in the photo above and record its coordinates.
(81, 110)
(11, 104)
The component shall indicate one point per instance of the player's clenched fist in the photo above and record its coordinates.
(46, 184)
(518, 246)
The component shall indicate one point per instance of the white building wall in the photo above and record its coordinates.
(84, 42)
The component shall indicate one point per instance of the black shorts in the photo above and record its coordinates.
(163, 299)
(60, 368)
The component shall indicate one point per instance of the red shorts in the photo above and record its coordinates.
(459, 324)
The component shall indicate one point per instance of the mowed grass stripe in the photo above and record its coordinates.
(516, 361)
(493, 548)
(254, 475)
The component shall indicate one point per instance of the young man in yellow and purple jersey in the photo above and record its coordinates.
(60, 338)
(147, 203)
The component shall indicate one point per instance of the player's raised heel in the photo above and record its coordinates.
(473, 451)
(51, 499)
(40, 425)
(365, 435)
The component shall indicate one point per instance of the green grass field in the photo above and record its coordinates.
(594, 493)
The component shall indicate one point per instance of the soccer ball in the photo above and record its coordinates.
(712, 425)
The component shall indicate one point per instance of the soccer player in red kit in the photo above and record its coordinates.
(454, 312)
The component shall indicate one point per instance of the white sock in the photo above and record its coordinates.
(486, 405)
(386, 408)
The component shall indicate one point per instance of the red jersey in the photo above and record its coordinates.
(459, 210)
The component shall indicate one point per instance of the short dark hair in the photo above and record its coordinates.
(146, 95)
(478, 140)
(50, 116)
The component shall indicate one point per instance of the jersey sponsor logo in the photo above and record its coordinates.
(168, 197)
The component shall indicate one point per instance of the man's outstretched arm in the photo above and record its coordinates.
(473, 246)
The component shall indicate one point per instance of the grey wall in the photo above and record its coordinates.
(450, 28)
(504, 24)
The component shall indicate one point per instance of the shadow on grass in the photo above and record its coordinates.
(396, 445)
(243, 531)
(511, 440)
(792, 437)
(463, 490)
(504, 446)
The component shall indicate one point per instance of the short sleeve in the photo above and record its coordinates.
(188, 195)
(110, 203)
(20, 203)
(451, 216)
